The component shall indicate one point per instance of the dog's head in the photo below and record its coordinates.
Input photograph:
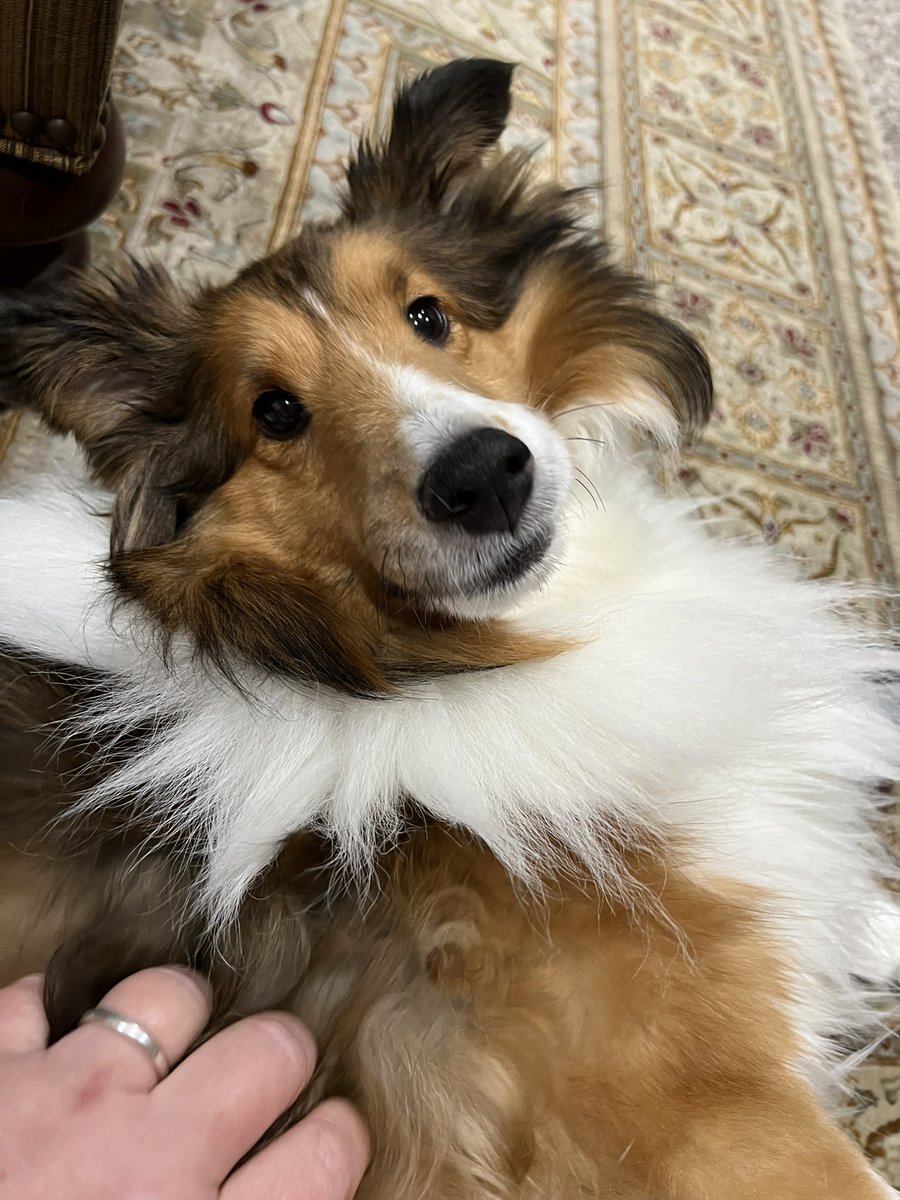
(345, 463)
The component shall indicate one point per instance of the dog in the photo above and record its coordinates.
(352, 655)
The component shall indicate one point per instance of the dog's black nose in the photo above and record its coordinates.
(481, 482)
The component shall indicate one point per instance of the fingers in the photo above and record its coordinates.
(322, 1158)
(222, 1098)
(170, 1004)
(241, 1080)
(23, 1022)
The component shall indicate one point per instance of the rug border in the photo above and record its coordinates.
(866, 131)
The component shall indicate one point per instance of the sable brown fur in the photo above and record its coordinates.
(501, 1045)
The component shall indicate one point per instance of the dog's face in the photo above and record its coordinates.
(342, 462)
(384, 440)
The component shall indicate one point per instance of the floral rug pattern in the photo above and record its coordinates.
(739, 172)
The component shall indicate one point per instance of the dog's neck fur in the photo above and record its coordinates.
(712, 704)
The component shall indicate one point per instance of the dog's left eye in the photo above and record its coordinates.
(280, 415)
(429, 320)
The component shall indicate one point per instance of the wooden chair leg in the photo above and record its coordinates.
(44, 213)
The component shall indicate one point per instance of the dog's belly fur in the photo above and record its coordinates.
(499, 1045)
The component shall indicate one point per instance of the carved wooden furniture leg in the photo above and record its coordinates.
(62, 149)
(44, 212)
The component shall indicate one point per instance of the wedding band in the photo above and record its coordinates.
(131, 1030)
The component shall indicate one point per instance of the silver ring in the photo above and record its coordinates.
(134, 1032)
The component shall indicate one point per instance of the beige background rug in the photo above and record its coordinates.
(739, 171)
(874, 29)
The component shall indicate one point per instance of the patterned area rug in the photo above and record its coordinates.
(739, 172)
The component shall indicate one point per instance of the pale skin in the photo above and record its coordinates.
(88, 1119)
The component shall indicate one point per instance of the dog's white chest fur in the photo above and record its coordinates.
(711, 700)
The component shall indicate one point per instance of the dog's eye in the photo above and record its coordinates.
(280, 415)
(429, 320)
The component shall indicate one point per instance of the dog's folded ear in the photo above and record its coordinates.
(96, 354)
(442, 125)
(595, 337)
(111, 360)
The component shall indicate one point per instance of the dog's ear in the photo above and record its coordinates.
(590, 329)
(442, 125)
(679, 369)
(672, 367)
(111, 360)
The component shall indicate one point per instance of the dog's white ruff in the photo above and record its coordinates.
(713, 698)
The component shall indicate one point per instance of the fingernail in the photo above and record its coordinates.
(349, 1143)
(293, 1036)
(194, 977)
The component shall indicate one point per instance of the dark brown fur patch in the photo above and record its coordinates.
(65, 879)
(442, 124)
(113, 359)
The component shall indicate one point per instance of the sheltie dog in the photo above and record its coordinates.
(352, 654)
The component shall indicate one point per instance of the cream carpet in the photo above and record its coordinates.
(874, 30)
(740, 172)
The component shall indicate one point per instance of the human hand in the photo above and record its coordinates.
(89, 1118)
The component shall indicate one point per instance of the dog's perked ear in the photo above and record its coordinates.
(111, 359)
(442, 125)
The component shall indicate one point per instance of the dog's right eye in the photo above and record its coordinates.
(280, 415)
(429, 320)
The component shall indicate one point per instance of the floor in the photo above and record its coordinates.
(874, 29)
